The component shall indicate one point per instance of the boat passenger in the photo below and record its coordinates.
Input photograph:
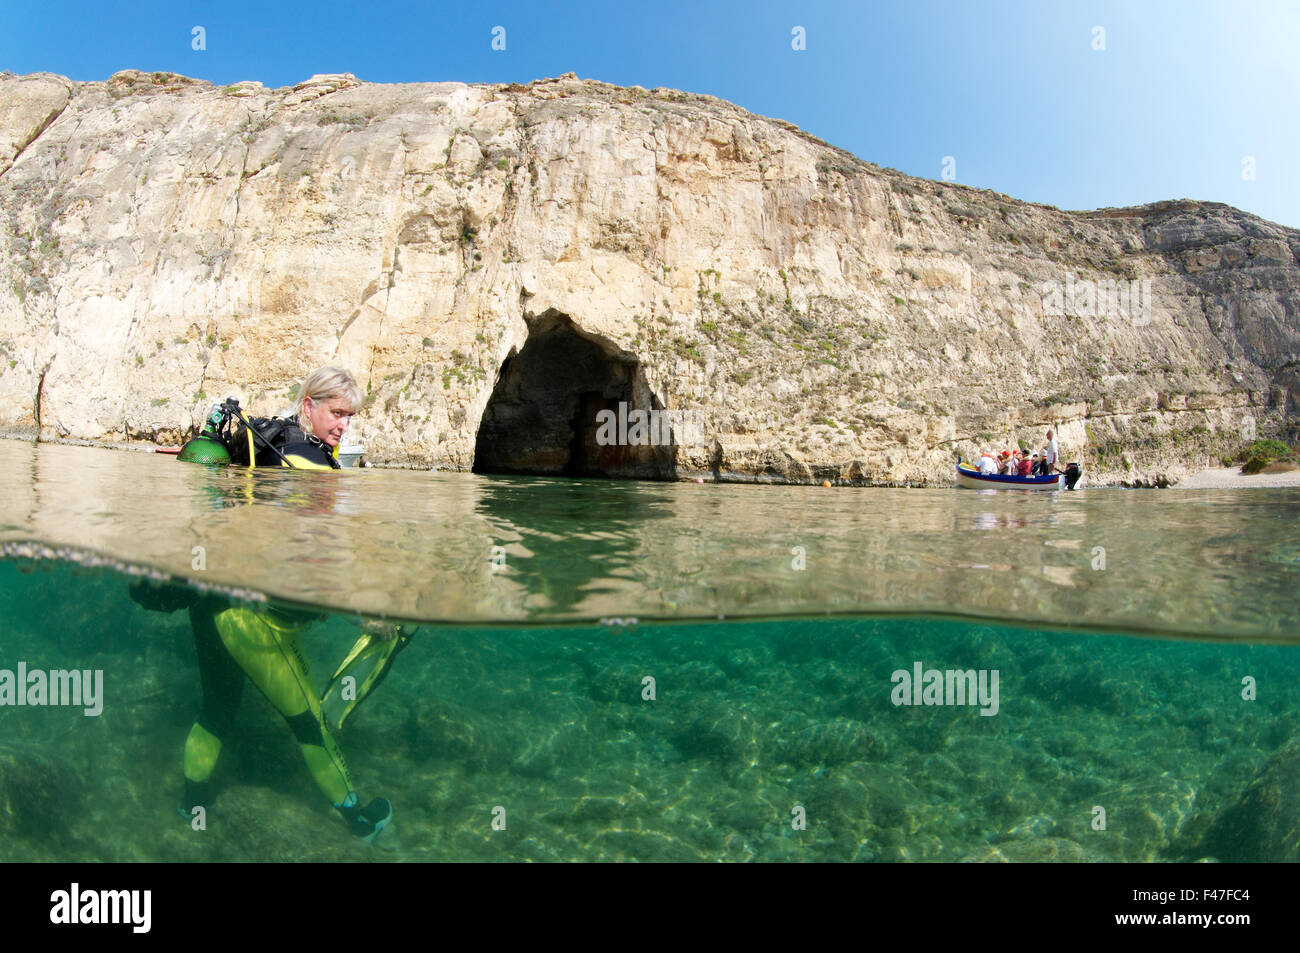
(1026, 465)
(1053, 454)
(988, 466)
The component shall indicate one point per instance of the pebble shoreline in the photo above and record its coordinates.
(1232, 478)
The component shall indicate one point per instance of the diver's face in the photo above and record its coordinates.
(329, 418)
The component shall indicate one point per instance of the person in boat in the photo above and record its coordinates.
(988, 465)
(1004, 463)
(1052, 455)
(261, 644)
(1025, 466)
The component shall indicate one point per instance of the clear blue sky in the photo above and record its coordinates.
(1014, 91)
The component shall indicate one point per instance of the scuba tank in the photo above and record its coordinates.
(221, 442)
(211, 445)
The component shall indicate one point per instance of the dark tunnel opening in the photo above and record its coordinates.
(542, 417)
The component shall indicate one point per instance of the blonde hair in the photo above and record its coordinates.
(326, 383)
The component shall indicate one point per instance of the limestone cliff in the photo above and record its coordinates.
(497, 264)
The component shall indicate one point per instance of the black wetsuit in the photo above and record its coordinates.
(307, 447)
(303, 450)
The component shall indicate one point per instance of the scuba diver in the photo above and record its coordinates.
(262, 642)
(309, 440)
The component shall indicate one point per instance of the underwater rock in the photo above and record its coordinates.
(752, 815)
(1093, 686)
(998, 807)
(1036, 850)
(645, 846)
(1036, 826)
(1264, 823)
(698, 674)
(838, 741)
(622, 684)
(40, 795)
(545, 755)
(1154, 817)
(928, 730)
(437, 729)
(862, 795)
(1144, 819)
(718, 731)
(257, 824)
(598, 809)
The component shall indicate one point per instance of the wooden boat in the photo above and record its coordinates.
(969, 476)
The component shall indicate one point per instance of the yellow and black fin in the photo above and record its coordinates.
(361, 671)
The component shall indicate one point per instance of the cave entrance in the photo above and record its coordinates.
(542, 415)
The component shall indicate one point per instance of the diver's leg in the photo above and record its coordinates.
(267, 648)
(162, 597)
(223, 681)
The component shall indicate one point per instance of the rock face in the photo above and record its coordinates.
(498, 264)
(1264, 824)
(38, 793)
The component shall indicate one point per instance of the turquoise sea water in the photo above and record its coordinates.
(664, 671)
